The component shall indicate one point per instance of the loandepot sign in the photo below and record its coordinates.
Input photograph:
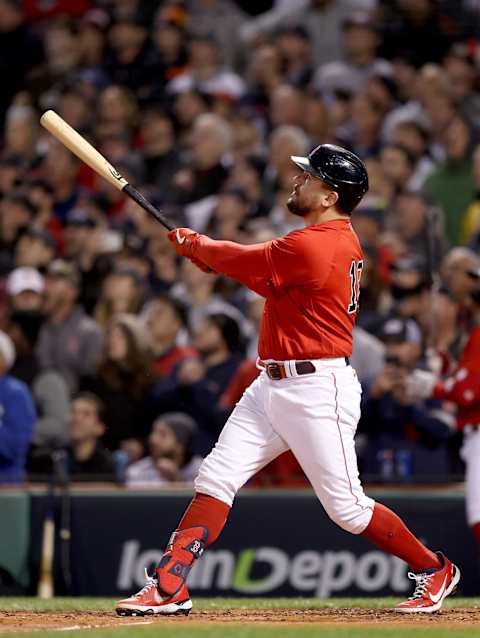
(308, 572)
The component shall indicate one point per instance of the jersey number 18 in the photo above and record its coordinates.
(355, 276)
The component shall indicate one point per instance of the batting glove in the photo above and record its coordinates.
(183, 240)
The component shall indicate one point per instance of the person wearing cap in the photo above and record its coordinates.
(171, 458)
(17, 417)
(25, 287)
(307, 396)
(69, 341)
(408, 286)
(407, 437)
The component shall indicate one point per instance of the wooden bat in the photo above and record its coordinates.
(85, 151)
(45, 576)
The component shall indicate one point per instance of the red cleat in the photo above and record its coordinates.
(432, 587)
(149, 601)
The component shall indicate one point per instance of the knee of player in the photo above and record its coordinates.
(351, 516)
(207, 483)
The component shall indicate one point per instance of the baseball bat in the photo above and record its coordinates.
(79, 146)
(45, 576)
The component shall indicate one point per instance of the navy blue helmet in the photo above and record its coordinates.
(341, 169)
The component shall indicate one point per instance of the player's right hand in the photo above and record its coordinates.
(183, 240)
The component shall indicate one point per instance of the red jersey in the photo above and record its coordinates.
(310, 279)
(463, 387)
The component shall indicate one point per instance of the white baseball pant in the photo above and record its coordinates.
(315, 416)
(471, 455)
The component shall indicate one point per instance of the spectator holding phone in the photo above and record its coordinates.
(407, 439)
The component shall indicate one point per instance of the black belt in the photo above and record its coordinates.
(277, 371)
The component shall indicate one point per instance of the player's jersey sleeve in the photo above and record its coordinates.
(301, 257)
(246, 264)
(463, 387)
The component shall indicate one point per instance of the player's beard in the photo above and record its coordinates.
(296, 206)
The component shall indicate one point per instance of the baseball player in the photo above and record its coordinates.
(307, 397)
(462, 388)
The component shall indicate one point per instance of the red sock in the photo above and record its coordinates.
(206, 511)
(391, 534)
(476, 532)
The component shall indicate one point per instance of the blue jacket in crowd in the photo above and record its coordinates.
(17, 420)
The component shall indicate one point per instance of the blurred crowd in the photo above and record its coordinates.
(132, 359)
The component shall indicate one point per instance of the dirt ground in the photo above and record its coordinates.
(23, 621)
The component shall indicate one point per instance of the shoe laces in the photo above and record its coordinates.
(422, 582)
(151, 581)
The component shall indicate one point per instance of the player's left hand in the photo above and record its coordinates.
(183, 240)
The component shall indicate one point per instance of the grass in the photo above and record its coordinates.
(188, 628)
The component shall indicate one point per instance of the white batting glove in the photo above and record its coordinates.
(420, 384)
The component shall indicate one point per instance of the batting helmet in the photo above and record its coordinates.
(342, 170)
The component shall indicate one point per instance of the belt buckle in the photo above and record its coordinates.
(274, 371)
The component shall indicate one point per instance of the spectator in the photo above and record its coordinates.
(414, 137)
(171, 459)
(411, 442)
(122, 293)
(205, 175)
(286, 106)
(17, 419)
(25, 288)
(122, 381)
(69, 341)
(322, 20)
(35, 249)
(49, 389)
(169, 40)
(408, 286)
(206, 73)
(457, 265)
(452, 184)
(200, 382)
(295, 49)
(21, 133)
(86, 243)
(117, 110)
(61, 170)
(162, 159)
(88, 459)
(361, 41)
(470, 230)
(398, 165)
(419, 225)
(23, 49)
(16, 214)
(166, 323)
(230, 216)
(131, 60)
(460, 67)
